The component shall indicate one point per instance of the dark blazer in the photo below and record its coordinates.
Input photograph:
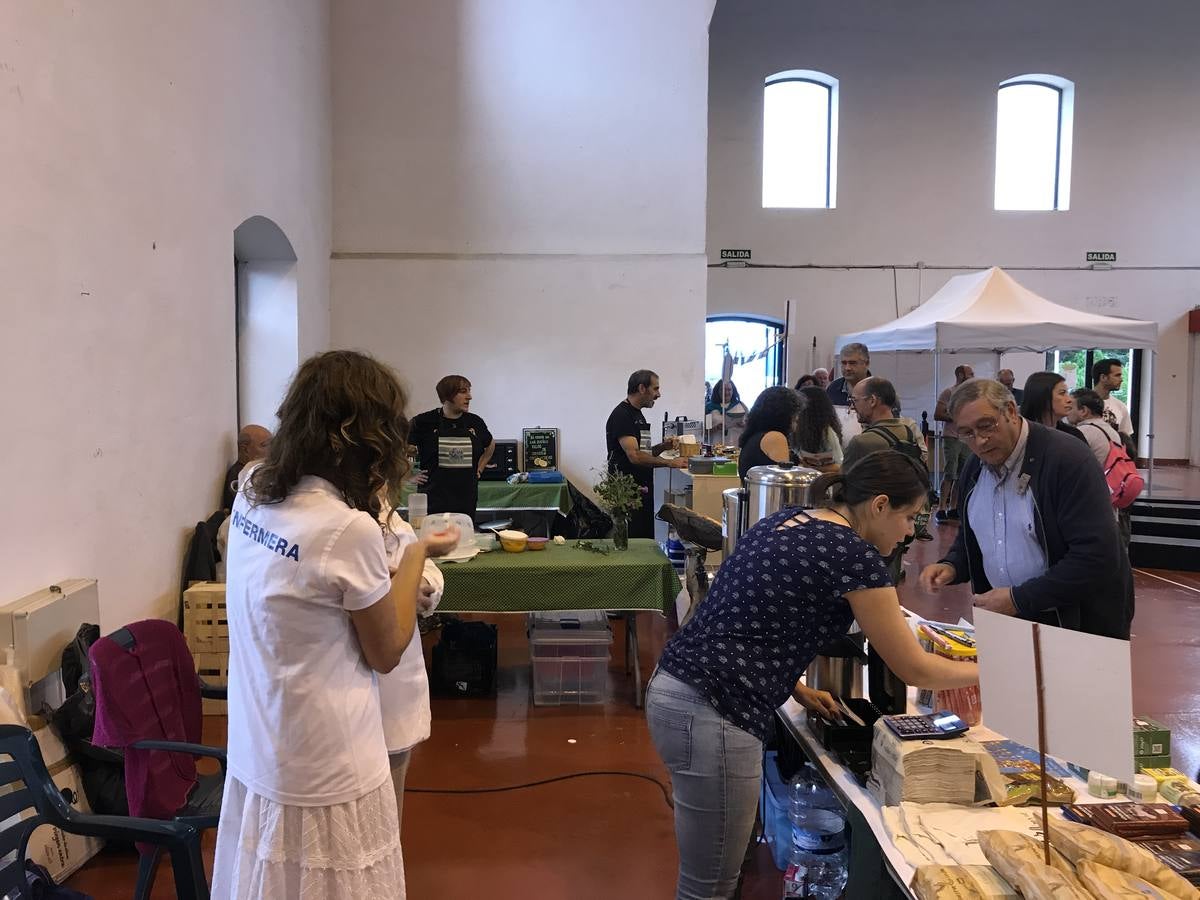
(1089, 584)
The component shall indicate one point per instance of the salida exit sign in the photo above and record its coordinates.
(1102, 256)
(736, 255)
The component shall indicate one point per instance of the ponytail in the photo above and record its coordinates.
(834, 481)
(889, 473)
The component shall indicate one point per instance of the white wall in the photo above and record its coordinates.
(267, 336)
(519, 195)
(136, 139)
(916, 157)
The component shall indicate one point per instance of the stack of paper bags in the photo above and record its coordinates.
(957, 770)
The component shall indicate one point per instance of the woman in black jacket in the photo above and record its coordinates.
(1047, 402)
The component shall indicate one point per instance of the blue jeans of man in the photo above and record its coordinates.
(716, 778)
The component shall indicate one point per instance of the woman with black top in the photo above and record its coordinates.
(1047, 401)
(769, 425)
(795, 580)
(819, 431)
(455, 446)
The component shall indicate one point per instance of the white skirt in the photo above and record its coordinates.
(270, 850)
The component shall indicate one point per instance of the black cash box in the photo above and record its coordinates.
(848, 739)
(503, 462)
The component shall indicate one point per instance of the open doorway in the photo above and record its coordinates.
(755, 347)
(267, 319)
(1076, 367)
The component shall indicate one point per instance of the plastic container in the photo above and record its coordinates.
(1144, 788)
(418, 509)
(817, 867)
(569, 652)
(513, 541)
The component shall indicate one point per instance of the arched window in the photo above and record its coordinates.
(800, 140)
(1034, 115)
(754, 348)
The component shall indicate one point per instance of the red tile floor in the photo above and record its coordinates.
(611, 836)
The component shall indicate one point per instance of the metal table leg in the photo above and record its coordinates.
(631, 647)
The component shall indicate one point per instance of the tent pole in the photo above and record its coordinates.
(1150, 428)
(937, 444)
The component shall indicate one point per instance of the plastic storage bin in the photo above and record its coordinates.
(569, 652)
(777, 825)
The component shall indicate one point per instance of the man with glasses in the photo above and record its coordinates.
(873, 400)
(1038, 539)
(856, 365)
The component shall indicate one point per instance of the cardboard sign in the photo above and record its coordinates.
(540, 446)
(1088, 691)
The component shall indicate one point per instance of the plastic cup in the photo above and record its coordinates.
(418, 508)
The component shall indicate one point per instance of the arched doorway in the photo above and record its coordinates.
(755, 347)
(267, 317)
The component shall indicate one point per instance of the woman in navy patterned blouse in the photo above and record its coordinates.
(796, 580)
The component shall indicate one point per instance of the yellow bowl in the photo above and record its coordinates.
(514, 541)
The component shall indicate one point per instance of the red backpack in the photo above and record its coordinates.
(1125, 482)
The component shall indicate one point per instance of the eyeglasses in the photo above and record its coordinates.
(984, 429)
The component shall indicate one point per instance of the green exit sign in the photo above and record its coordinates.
(1102, 256)
(738, 255)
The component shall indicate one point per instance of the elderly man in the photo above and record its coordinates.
(1038, 539)
(821, 377)
(252, 443)
(873, 400)
(1008, 379)
(856, 365)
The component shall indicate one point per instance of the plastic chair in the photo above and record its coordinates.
(202, 809)
(24, 775)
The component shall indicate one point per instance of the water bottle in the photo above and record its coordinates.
(818, 864)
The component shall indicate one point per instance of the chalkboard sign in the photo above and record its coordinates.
(540, 446)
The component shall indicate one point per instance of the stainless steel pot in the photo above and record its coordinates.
(771, 488)
(838, 668)
(733, 517)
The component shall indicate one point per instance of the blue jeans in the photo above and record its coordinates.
(716, 777)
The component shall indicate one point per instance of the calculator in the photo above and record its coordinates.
(944, 724)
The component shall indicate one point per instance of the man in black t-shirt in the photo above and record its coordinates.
(629, 450)
(454, 446)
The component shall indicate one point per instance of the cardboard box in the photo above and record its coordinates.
(1150, 738)
(61, 853)
(1152, 762)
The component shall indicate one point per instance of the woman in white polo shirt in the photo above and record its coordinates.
(314, 614)
(404, 691)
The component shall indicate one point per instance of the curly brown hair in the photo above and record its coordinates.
(343, 420)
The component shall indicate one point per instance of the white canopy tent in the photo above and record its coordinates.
(989, 312)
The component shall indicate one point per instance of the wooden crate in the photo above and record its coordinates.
(205, 625)
(214, 669)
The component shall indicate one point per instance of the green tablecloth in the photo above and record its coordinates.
(502, 495)
(562, 577)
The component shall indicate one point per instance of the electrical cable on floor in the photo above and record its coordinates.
(517, 787)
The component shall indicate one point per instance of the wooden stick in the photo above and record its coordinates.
(1041, 716)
